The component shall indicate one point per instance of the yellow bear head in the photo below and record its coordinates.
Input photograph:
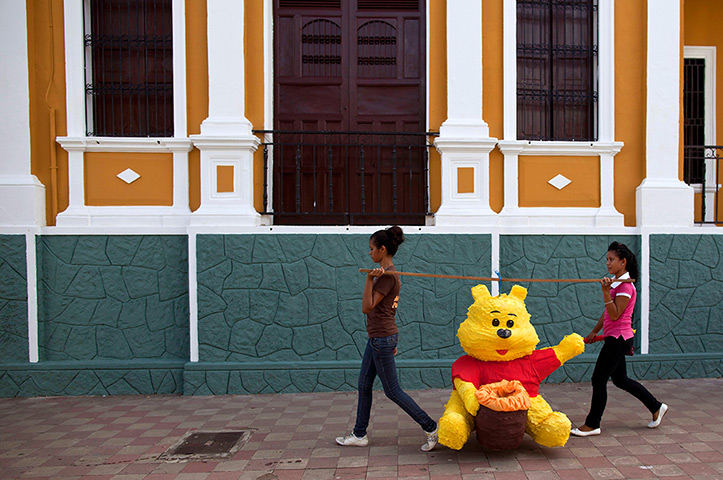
(498, 329)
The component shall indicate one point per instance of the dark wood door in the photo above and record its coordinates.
(355, 67)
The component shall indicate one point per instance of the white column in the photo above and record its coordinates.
(662, 198)
(22, 196)
(226, 138)
(464, 140)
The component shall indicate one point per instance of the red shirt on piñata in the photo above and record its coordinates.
(530, 370)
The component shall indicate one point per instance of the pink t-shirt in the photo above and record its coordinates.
(624, 324)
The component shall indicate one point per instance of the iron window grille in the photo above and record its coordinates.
(129, 68)
(557, 69)
(694, 120)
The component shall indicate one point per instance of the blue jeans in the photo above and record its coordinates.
(379, 360)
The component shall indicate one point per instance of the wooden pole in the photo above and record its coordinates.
(494, 279)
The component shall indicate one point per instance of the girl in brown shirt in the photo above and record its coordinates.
(379, 303)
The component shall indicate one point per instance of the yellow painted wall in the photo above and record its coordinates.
(197, 89)
(493, 91)
(104, 188)
(630, 96)
(254, 86)
(437, 33)
(46, 69)
(535, 171)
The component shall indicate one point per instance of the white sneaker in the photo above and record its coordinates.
(661, 412)
(582, 433)
(352, 440)
(431, 442)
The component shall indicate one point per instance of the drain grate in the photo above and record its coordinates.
(199, 445)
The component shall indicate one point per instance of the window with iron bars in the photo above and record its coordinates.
(556, 70)
(129, 68)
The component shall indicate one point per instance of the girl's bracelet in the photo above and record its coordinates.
(608, 303)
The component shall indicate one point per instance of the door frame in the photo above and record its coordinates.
(709, 55)
(269, 85)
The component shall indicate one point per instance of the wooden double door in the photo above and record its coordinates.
(355, 67)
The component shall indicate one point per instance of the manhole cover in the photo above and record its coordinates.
(197, 445)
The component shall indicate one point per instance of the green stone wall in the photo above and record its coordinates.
(113, 297)
(282, 312)
(686, 304)
(13, 299)
(293, 304)
(112, 317)
(558, 309)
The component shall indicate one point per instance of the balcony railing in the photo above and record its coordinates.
(346, 178)
(702, 172)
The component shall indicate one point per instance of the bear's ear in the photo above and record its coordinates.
(518, 292)
(479, 292)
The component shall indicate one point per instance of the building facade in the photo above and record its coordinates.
(189, 186)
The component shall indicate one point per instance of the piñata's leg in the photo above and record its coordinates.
(456, 424)
(546, 427)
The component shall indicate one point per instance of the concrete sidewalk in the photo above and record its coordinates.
(292, 436)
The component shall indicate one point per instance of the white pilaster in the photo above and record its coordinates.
(662, 198)
(464, 140)
(22, 196)
(226, 135)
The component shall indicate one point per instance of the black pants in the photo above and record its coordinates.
(611, 364)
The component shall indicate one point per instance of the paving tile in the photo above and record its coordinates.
(293, 438)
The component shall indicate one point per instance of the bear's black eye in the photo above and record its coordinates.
(510, 324)
(495, 323)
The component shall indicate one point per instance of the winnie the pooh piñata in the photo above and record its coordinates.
(500, 344)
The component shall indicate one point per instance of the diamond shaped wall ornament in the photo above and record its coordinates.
(559, 181)
(128, 176)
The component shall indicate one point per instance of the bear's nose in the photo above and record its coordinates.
(504, 333)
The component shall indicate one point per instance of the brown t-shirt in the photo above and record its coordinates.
(380, 321)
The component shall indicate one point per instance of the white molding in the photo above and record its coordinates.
(125, 145)
(465, 208)
(509, 65)
(192, 298)
(31, 262)
(578, 149)
(547, 217)
(74, 67)
(644, 292)
(178, 13)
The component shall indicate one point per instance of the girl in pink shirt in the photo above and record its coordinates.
(616, 323)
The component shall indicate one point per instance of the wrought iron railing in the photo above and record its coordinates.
(346, 178)
(702, 172)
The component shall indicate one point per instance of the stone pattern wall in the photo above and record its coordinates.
(558, 309)
(686, 301)
(13, 299)
(127, 294)
(296, 299)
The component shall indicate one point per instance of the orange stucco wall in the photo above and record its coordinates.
(437, 33)
(46, 69)
(583, 173)
(630, 97)
(196, 89)
(493, 92)
(153, 187)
